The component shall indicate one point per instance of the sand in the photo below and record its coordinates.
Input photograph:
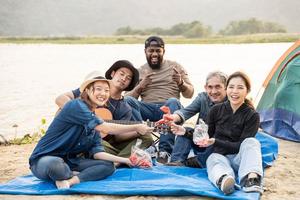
(282, 180)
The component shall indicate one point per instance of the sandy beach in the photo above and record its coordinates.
(282, 180)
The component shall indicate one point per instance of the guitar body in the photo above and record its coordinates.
(104, 114)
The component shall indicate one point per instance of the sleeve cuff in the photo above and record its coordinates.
(94, 122)
(181, 116)
(95, 150)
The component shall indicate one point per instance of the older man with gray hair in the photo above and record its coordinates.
(215, 92)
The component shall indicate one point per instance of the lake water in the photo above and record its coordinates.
(33, 75)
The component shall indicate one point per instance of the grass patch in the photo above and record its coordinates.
(254, 38)
(27, 138)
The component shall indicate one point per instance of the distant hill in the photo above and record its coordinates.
(104, 17)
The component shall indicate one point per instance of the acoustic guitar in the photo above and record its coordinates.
(106, 115)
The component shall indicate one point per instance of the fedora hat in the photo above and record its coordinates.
(124, 63)
(92, 77)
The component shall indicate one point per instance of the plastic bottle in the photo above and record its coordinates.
(200, 131)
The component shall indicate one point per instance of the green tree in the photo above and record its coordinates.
(251, 26)
(271, 27)
(190, 30)
(177, 29)
(196, 29)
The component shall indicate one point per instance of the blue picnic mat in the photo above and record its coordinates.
(158, 181)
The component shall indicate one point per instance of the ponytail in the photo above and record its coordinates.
(249, 103)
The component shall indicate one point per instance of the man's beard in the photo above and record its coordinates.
(156, 65)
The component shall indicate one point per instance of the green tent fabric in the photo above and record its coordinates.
(279, 106)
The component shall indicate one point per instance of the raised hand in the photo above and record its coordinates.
(146, 81)
(177, 76)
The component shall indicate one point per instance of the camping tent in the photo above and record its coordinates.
(279, 106)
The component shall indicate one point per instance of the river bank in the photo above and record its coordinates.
(139, 39)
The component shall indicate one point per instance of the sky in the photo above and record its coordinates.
(102, 17)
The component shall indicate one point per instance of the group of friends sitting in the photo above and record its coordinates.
(81, 145)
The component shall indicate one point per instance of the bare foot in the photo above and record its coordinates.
(62, 184)
(65, 184)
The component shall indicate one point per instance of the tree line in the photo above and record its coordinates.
(196, 29)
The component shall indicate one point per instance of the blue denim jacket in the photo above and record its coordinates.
(201, 105)
(71, 133)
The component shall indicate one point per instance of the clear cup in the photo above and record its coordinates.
(200, 131)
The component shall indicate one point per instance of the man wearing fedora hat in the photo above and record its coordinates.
(124, 76)
(161, 83)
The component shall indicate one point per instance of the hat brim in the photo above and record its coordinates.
(124, 63)
(87, 82)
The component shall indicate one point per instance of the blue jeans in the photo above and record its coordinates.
(55, 168)
(182, 147)
(247, 160)
(143, 111)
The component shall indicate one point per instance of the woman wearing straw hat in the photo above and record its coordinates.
(71, 151)
(123, 76)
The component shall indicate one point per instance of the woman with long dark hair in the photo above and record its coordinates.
(232, 126)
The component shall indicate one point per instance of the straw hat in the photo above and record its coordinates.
(93, 77)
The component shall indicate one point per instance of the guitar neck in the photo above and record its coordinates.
(126, 122)
(160, 129)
